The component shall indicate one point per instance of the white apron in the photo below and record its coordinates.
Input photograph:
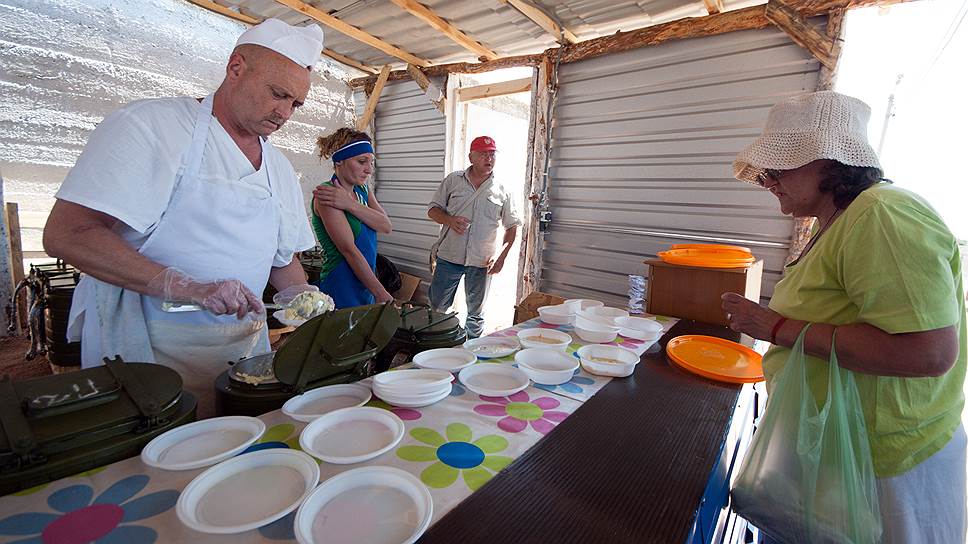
(213, 228)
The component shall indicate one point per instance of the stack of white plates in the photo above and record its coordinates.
(412, 388)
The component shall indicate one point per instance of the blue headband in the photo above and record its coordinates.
(352, 150)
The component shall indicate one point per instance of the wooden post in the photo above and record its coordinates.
(16, 259)
(364, 121)
(803, 226)
(535, 185)
(6, 278)
(801, 32)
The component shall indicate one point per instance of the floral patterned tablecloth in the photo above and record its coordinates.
(453, 446)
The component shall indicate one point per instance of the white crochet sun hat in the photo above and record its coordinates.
(820, 125)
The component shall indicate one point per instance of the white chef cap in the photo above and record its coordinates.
(301, 44)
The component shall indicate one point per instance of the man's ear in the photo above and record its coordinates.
(236, 66)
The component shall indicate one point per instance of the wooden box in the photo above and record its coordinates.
(528, 308)
(694, 293)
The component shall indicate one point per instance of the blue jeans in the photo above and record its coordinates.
(443, 287)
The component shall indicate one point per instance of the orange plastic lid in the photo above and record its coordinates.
(723, 258)
(716, 358)
(711, 247)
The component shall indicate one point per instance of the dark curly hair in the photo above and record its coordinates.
(846, 182)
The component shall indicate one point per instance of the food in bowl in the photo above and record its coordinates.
(544, 338)
(613, 361)
(308, 305)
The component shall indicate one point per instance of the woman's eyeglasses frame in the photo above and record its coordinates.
(769, 173)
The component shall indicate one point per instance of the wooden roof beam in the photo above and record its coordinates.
(353, 32)
(801, 32)
(714, 6)
(561, 34)
(243, 18)
(750, 18)
(222, 10)
(350, 62)
(425, 14)
(432, 91)
(492, 90)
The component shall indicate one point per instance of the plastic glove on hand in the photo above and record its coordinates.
(219, 296)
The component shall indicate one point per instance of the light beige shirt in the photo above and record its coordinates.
(478, 244)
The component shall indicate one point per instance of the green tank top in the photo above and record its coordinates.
(331, 255)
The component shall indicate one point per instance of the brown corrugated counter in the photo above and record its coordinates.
(647, 459)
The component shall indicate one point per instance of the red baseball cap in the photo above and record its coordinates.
(483, 143)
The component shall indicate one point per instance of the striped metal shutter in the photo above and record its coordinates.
(410, 148)
(641, 157)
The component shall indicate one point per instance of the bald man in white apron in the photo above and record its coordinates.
(180, 199)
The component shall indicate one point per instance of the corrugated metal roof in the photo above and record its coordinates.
(495, 24)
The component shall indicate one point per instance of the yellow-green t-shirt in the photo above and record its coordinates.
(891, 262)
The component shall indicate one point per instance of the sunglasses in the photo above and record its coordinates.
(769, 173)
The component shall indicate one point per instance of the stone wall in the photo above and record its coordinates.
(65, 64)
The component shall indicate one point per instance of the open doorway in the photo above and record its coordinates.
(495, 104)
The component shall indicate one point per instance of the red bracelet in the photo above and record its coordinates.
(776, 329)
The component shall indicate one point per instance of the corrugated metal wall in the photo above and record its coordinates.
(410, 149)
(641, 157)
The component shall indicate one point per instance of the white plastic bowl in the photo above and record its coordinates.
(595, 333)
(352, 435)
(607, 312)
(585, 303)
(546, 366)
(556, 315)
(527, 337)
(588, 321)
(624, 367)
(639, 328)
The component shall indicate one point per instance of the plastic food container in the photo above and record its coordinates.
(639, 328)
(593, 332)
(608, 360)
(544, 338)
(546, 366)
(584, 303)
(560, 314)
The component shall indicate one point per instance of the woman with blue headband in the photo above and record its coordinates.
(346, 218)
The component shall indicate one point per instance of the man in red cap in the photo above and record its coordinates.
(471, 207)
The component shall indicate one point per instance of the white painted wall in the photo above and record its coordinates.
(65, 64)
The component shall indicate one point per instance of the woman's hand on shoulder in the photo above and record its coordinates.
(334, 197)
(748, 317)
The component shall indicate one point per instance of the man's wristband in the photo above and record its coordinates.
(776, 329)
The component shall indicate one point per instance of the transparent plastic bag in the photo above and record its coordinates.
(809, 476)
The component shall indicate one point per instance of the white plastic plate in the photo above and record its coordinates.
(494, 380)
(449, 359)
(352, 435)
(248, 491)
(492, 347)
(202, 443)
(416, 401)
(367, 504)
(412, 381)
(320, 401)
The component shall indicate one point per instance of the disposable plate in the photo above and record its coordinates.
(320, 401)
(412, 381)
(280, 316)
(416, 401)
(449, 359)
(352, 435)
(202, 443)
(248, 491)
(492, 347)
(494, 380)
(367, 504)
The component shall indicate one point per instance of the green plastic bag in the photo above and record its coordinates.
(809, 476)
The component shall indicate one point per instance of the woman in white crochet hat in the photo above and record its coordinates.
(884, 271)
